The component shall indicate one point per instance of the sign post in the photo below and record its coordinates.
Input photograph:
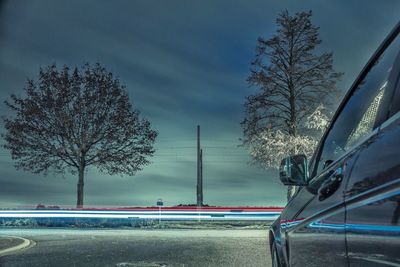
(160, 203)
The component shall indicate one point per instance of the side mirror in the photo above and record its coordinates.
(294, 170)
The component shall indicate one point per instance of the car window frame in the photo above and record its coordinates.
(394, 105)
(382, 116)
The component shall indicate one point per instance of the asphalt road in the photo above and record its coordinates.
(120, 248)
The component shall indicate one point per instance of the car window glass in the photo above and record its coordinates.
(357, 118)
(395, 101)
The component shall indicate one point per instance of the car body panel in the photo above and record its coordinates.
(373, 200)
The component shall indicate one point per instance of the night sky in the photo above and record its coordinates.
(184, 63)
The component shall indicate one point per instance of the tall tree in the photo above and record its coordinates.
(69, 120)
(293, 81)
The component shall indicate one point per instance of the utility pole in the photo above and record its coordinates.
(201, 177)
(199, 170)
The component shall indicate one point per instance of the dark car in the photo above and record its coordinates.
(346, 210)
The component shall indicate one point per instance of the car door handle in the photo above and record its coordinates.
(331, 184)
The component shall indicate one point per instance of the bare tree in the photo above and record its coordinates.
(293, 80)
(72, 119)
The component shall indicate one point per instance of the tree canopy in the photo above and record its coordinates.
(292, 78)
(297, 87)
(70, 119)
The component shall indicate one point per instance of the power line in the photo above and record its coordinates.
(193, 147)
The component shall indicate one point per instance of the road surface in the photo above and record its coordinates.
(120, 248)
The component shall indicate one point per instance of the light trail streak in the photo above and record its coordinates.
(165, 215)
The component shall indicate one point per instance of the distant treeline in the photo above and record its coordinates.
(77, 222)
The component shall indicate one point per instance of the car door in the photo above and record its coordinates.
(315, 234)
(373, 191)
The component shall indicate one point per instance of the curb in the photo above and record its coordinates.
(25, 243)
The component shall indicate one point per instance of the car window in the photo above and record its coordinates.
(358, 117)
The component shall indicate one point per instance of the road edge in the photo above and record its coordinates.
(25, 244)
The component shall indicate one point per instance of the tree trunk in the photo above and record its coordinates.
(79, 203)
(293, 117)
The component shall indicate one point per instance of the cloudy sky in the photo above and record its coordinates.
(184, 63)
